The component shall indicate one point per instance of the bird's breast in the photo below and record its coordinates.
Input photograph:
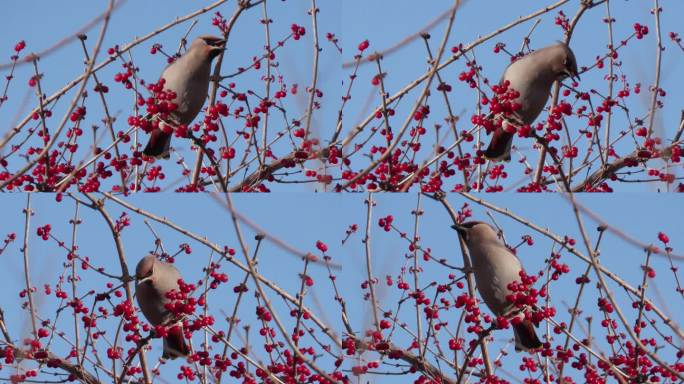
(151, 303)
(190, 85)
(495, 268)
(533, 86)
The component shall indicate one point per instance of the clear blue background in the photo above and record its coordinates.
(41, 24)
(383, 23)
(302, 219)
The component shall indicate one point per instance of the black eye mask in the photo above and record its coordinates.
(571, 70)
(214, 42)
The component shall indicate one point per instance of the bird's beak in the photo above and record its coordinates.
(460, 229)
(574, 76)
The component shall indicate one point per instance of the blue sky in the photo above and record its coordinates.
(302, 219)
(134, 19)
(383, 23)
(478, 18)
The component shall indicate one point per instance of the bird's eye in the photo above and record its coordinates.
(213, 42)
(569, 65)
(146, 275)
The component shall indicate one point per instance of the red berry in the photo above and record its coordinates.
(321, 246)
(20, 45)
(663, 237)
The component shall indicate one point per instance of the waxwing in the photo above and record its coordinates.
(495, 267)
(188, 77)
(532, 77)
(155, 278)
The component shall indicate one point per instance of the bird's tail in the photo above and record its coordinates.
(174, 343)
(499, 146)
(525, 337)
(158, 145)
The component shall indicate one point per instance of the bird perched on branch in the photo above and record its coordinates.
(155, 278)
(531, 76)
(495, 268)
(188, 77)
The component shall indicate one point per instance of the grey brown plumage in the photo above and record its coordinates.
(495, 267)
(532, 76)
(188, 77)
(155, 278)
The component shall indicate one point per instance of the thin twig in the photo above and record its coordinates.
(55, 136)
(264, 297)
(470, 279)
(369, 264)
(126, 277)
(27, 272)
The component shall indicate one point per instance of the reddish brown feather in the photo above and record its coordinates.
(526, 335)
(499, 145)
(157, 144)
(176, 342)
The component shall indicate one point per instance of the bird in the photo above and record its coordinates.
(155, 278)
(188, 77)
(495, 267)
(531, 76)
